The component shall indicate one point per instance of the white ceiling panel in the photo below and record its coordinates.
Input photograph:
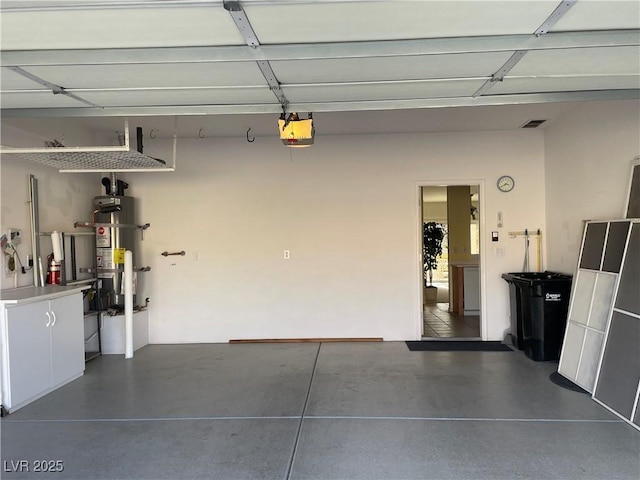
(68, 3)
(357, 21)
(152, 75)
(390, 68)
(37, 99)
(566, 84)
(164, 97)
(600, 15)
(118, 28)
(326, 55)
(580, 61)
(382, 91)
(10, 80)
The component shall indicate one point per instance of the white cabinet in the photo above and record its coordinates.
(464, 296)
(28, 352)
(67, 339)
(471, 291)
(43, 347)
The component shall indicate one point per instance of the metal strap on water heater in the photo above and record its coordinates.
(110, 225)
(120, 270)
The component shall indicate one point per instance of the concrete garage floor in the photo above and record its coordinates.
(322, 411)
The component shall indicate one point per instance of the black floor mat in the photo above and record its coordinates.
(457, 346)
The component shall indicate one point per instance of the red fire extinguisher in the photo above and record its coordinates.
(53, 271)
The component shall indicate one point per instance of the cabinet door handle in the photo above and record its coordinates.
(48, 318)
(54, 317)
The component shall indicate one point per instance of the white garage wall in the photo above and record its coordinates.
(588, 156)
(346, 208)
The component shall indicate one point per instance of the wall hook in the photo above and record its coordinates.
(200, 134)
(152, 133)
(252, 139)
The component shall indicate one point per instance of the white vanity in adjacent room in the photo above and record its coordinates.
(41, 341)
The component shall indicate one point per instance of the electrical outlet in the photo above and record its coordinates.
(287, 254)
(14, 236)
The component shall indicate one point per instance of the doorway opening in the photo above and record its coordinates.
(451, 269)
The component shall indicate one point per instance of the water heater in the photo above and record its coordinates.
(116, 232)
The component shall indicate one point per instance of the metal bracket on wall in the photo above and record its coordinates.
(531, 233)
(142, 229)
(119, 270)
(110, 225)
(525, 232)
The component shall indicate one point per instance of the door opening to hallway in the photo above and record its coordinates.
(451, 267)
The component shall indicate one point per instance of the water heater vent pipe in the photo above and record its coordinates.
(128, 304)
(114, 183)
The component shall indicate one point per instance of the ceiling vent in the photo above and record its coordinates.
(533, 123)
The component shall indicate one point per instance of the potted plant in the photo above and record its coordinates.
(432, 237)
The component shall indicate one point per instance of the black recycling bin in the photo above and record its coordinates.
(541, 304)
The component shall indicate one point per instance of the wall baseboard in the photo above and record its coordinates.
(307, 340)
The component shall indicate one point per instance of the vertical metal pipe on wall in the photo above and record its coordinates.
(35, 230)
(128, 304)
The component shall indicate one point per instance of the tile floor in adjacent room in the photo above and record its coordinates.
(438, 322)
(319, 411)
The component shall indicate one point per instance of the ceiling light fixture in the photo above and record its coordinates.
(296, 132)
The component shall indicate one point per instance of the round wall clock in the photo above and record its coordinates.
(505, 183)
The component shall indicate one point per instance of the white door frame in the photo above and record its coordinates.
(483, 250)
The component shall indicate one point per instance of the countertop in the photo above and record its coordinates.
(31, 294)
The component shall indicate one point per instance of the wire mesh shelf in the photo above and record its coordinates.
(95, 161)
(95, 158)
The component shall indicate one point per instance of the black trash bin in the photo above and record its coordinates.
(515, 311)
(544, 303)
